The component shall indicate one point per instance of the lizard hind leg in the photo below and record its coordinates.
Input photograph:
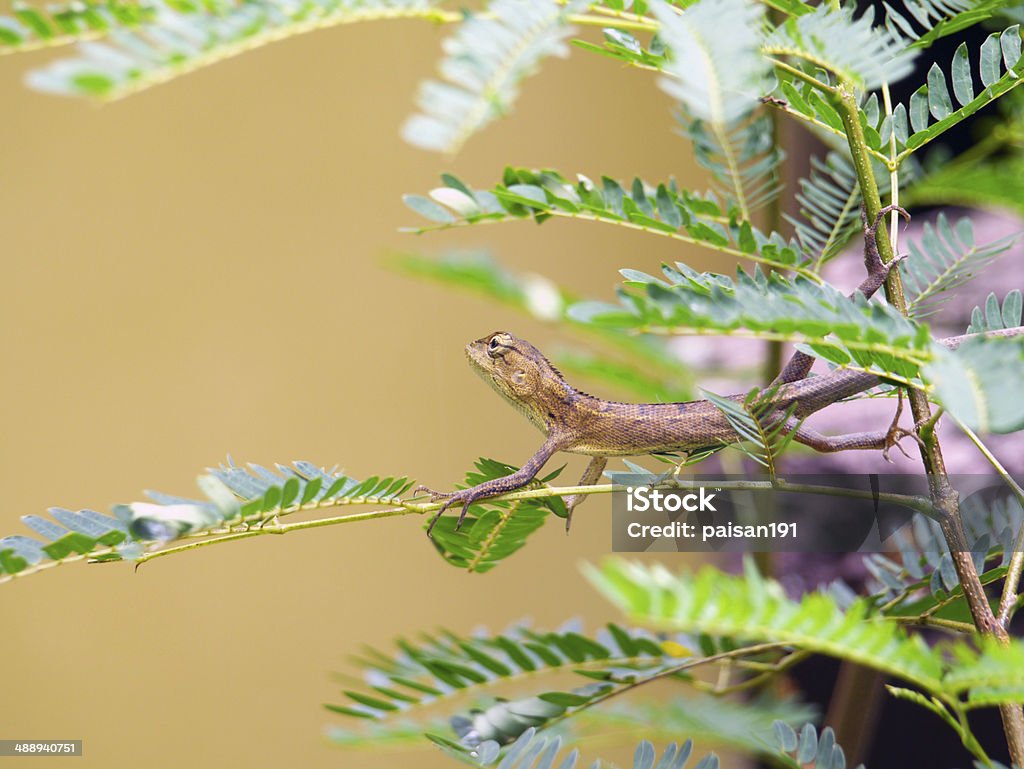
(883, 440)
(590, 476)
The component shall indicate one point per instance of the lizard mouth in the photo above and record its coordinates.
(476, 354)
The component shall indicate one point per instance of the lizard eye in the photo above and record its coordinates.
(494, 346)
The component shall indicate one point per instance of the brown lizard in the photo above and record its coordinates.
(578, 423)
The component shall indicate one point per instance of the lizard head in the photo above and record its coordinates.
(519, 373)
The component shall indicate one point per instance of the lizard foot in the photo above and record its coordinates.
(465, 497)
(895, 433)
(878, 270)
(892, 440)
(436, 495)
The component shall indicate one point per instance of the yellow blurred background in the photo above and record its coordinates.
(197, 271)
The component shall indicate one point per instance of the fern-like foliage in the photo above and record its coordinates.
(990, 675)
(29, 28)
(742, 157)
(755, 608)
(485, 61)
(945, 258)
(235, 498)
(70, 536)
(924, 576)
(764, 434)
(978, 382)
(851, 49)
(717, 78)
(255, 495)
(538, 751)
(842, 330)
(182, 38)
(446, 664)
(931, 111)
(747, 726)
(492, 531)
(994, 317)
(924, 21)
(829, 203)
(807, 749)
(663, 210)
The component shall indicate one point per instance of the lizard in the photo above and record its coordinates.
(575, 422)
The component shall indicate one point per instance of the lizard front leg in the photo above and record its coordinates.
(493, 487)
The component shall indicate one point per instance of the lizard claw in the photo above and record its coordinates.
(892, 440)
(437, 516)
(465, 497)
(434, 495)
(895, 433)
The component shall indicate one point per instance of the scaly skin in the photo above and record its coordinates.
(575, 422)
(578, 423)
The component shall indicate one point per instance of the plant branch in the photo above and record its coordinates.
(247, 531)
(608, 17)
(667, 672)
(784, 106)
(926, 620)
(801, 75)
(944, 496)
(674, 235)
(1008, 599)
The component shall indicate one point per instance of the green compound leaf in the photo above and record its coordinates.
(661, 209)
(243, 498)
(534, 750)
(445, 665)
(486, 59)
(979, 382)
(852, 49)
(933, 110)
(184, 37)
(845, 331)
(492, 531)
(718, 78)
(755, 608)
(945, 258)
(28, 28)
